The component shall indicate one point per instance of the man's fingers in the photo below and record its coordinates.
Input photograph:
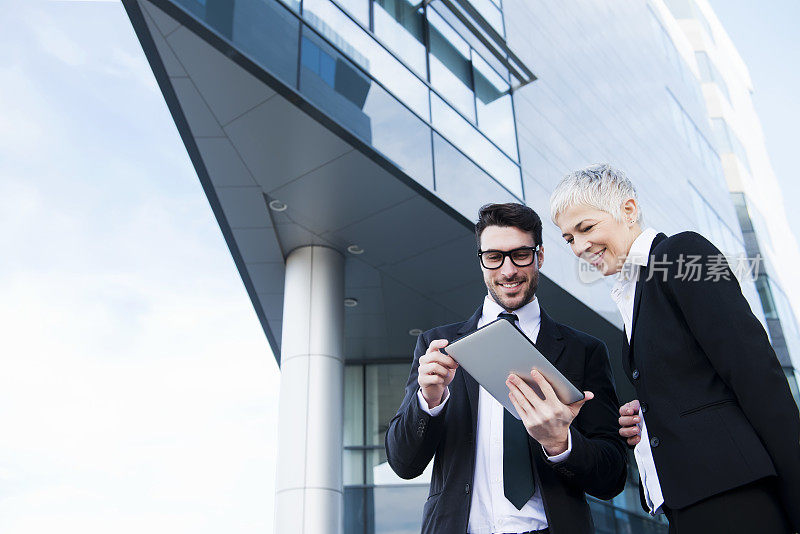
(433, 368)
(437, 344)
(431, 380)
(543, 384)
(634, 440)
(629, 420)
(518, 399)
(630, 408)
(515, 403)
(523, 388)
(629, 431)
(576, 406)
(438, 358)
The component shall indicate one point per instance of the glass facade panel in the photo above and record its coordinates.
(495, 110)
(352, 99)
(476, 146)
(491, 13)
(727, 141)
(337, 27)
(451, 71)
(264, 31)
(765, 294)
(695, 139)
(400, 508)
(462, 183)
(401, 27)
(709, 73)
(358, 8)
(353, 405)
(294, 5)
(385, 388)
(353, 467)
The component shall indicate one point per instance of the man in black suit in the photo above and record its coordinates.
(491, 473)
(720, 450)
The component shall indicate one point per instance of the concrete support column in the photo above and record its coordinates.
(308, 489)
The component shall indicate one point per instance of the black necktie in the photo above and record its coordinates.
(518, 485)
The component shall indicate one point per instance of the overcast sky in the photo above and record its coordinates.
(137, 390)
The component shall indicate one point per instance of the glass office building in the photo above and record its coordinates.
(376, 129)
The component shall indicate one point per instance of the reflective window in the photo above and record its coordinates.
(489, 11)
(451, 70)
(354, 405)
(294, 5)
(728, 141)
(461, 183)
(493, 102)
(714, 229)
(352, 99)
(372, 57)
(265, 31)
(470, 141)
(385, 389)
(709, 73)
(765, 294)
(400, 27)
(358, 8)
(698, 143)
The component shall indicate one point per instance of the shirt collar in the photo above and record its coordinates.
(640, 248)
(528, 315)
(637, 256)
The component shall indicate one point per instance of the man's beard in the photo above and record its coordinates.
(527, 296)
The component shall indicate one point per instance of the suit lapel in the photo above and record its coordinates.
(549, 339)
(637, 298)
(471, 385)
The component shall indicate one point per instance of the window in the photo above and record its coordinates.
(451, 71)
(710, 74)
(728, 141)
(401, 28)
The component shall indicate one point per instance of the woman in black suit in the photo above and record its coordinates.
(715, 428)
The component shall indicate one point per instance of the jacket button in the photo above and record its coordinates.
(466, 488)
(644, 407)
(635, 374)
(654, 442)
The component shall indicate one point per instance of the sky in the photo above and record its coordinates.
(137, 389)
(765, 33)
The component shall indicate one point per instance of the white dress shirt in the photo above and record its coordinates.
(623, 293)
(490, 511)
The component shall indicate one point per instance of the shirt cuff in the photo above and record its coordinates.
(559, 457)
(433, 412)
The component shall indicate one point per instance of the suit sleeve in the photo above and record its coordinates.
(598, 461)
(737, 346)
(413, 435)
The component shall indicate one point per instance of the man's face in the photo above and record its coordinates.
(596, 237)
(510, 286)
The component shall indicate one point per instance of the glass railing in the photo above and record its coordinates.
(362, 85)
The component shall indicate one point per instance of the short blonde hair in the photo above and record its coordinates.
(600, 186)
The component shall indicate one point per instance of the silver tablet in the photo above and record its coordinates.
(498, 349)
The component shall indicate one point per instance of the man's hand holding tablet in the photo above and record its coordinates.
(545, 417)
(436, 371)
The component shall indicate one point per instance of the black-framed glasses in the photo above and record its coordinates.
(521, 257)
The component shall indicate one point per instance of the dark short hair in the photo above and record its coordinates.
(510, 214)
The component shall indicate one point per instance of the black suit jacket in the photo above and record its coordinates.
(596, 465)
(718, 408)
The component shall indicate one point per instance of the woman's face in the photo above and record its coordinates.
(596, 237)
